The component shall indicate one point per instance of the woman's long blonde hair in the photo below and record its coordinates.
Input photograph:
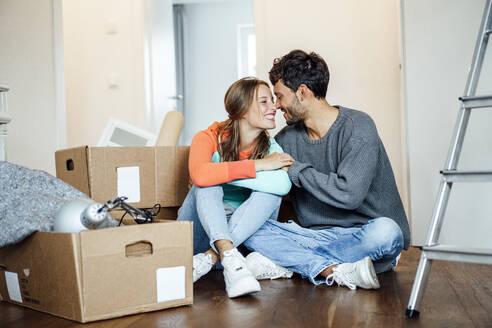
(237, 101)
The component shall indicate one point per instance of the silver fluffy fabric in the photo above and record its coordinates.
(29, 200)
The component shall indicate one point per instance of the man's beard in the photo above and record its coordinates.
(295, 111)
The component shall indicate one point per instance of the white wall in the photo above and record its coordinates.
(438, 41)
(359, 41)
(210, 60)
(104, 66)
(27, 67)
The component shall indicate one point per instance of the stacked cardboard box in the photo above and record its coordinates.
(147, 175)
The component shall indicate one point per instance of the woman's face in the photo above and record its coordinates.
(261, 113)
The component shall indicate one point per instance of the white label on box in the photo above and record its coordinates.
(129, 183)
(13, 286)
(170, 284)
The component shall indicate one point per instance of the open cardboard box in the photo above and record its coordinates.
(166, 213)
(101, 274)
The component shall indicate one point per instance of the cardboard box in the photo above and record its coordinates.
(101, 274)
(147, 175)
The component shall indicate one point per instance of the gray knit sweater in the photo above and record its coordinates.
(343, 179)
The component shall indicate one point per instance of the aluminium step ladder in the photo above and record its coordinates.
(432, 249)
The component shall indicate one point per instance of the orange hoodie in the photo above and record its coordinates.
(205, 173)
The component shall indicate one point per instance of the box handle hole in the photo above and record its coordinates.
(140, 248)
(69, 165)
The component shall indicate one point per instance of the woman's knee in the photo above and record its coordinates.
(209, 192)
(188, 208)
(266, 198)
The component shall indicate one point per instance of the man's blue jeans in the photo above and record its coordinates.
(309, 252)
(205, 207)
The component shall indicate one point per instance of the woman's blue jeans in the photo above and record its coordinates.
(205, 207)
(309, 252)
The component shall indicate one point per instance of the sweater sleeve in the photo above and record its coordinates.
(348, 186)
(204, 173)
(274, 182)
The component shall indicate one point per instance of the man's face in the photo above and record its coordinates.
(288, 103)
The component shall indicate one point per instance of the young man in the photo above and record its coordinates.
(352, 221)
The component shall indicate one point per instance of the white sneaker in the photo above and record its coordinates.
(202, 264)
(263, 268)
(397, 259)
(238, 279)
(360, 273)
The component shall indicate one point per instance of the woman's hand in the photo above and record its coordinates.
(273, 161)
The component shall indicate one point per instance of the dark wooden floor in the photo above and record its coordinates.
(458, 295)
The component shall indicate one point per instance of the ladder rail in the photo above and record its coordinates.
(479, 52)
(458, 138)
(438, 213)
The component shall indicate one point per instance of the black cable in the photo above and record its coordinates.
(121, 220)
(139, 216)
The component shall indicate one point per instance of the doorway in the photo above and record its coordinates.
(214, 46)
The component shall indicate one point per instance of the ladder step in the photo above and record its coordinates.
(467, 176)
(477, 101)
(458, 254)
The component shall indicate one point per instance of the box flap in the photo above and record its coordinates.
(119, 267)
(171, 175)
(103, 167)
(181, 173)
(71, 167)
(46, 266)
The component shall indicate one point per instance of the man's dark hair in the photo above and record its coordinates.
(299, 67)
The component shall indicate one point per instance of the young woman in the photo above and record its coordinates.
(236, 169)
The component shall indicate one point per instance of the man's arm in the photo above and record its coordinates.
(348, 186)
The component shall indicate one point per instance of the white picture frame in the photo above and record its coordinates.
(121, 134)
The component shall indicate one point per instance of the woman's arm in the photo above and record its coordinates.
(204, 173)
(274, 181)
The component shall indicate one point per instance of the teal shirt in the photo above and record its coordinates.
(274, 182)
